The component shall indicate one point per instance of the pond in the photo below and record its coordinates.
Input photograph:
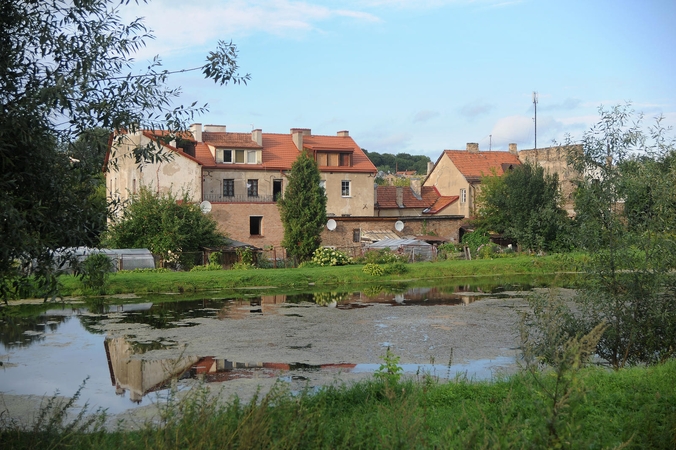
(130, 351)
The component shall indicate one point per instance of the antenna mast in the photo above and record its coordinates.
(535, 105)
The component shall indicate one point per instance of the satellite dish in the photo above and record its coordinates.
(205, 206)
(331, 224)
(398, 225)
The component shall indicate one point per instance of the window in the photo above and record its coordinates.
(133, 184)
(356, 235)
(239, 156)
(463, 195)
(228, 188)
(252, 188)
(322, 159)
(255, 225)
(345, 159)
(227, 156)
(251, 157)
(276, 189)
(322, 184)
(345, 188)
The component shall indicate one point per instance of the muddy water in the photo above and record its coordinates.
(131, 353)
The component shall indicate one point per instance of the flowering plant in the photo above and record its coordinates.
(325, 256)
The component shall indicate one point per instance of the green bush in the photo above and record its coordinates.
(382, 256)
(206, 267)
(325, 256)
(396, 268)
(373, 269)
(94, 273)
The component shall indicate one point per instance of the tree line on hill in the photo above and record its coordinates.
(389, 163)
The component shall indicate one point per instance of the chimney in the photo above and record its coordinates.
(430, 167)
(297, 136)
(400, 196)
(513, 150)
(196, 130)
(214, 128)
(473, 147)
(415, 187)
(344, 133)
(257, 136)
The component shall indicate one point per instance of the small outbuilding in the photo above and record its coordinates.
(416, 250)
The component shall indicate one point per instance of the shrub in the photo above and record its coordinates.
(382, 256)
(324, 256)
(206, 267)
(94, 273)
(397, 267)
(373, 269)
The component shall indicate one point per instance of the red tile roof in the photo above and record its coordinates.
(279, 151)
(230, 140)
(473, 166)
(430, 200)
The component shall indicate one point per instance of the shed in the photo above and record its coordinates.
(416, 250)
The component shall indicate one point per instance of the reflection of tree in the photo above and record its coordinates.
(20, 332)
(325, 298)
(139, 375)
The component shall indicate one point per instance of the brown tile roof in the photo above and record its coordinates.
(430, 200)
(230, 140)
(473, 166)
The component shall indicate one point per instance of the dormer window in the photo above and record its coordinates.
(228, 156)
(334, 159)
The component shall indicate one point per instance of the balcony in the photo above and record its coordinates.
(219, 198)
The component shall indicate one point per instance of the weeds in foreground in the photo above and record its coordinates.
(631, 408)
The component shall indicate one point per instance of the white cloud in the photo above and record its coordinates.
(425, 115)
(472, 110)
(518, 129)
(181, 25)
(429, 4)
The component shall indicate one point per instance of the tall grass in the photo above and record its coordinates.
(631, 408)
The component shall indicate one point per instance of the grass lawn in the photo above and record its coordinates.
(324, 277)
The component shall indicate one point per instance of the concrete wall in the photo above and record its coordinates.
(361, 199)
(449, 181)
(400, 212)
(442, 226)
(176, 175)
(213, 182)
(554, 160)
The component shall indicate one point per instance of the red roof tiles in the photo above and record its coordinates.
(429, 200)
(473, 166)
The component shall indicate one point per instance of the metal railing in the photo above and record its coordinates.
(239, 198)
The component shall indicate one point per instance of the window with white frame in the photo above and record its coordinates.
(251, 157)
(463, 195)
(345, 188)
(322, 184)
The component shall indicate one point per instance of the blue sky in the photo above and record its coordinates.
(423, 76)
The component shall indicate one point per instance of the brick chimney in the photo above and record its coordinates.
(196, 130)
(344, 133)
(513, 150)
(297, 136)
(473, 147)
(257, 136)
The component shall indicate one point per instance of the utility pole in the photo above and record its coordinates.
(535, 105)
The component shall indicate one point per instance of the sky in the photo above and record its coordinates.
(422, 76)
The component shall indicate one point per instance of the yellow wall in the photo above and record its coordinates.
(449, 181)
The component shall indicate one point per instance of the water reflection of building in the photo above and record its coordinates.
(243, 308)
(137, 375)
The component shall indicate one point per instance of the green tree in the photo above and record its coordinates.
(523, 204)
(166, 225)
(626, 213)
(65, 68)
(303, 208)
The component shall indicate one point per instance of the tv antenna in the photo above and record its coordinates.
(535, 106)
